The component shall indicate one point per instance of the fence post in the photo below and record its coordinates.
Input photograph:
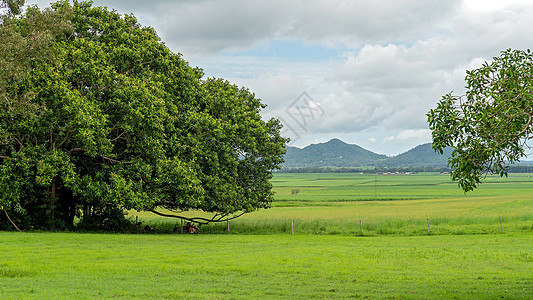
(181, 228)
(429, 230)
(292, 226)
(501, 223)
(361, 225)
(227, 221)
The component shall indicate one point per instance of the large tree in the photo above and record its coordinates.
(490, 126)
(10, 8)
(98, 116)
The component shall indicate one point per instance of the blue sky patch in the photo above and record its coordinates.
(293, 50)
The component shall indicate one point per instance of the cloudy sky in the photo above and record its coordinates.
(363, 71)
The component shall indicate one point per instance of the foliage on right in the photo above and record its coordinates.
(490, 126)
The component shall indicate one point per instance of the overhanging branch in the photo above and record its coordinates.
(199, 220)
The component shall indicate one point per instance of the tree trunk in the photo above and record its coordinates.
(51, 203)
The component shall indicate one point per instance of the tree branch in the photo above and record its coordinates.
(65, 139)
(76, 150)
(115, 139)
(116, 161)
(52, 141)
(199, 220)
(12, 223)
(19, 141)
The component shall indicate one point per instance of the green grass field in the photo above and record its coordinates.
(88, 266)
(339, 203)
(316, 187)
(465, 256)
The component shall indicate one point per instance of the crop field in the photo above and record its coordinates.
(356, 187)
(386, 205)
(360, 236)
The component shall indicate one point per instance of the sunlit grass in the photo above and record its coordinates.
(82, 266)
(331, 204)
(408, 217)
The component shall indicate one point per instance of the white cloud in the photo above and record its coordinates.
(348, 112)
(410, 136)
(392, 59)
(492, 5)
(209, 27)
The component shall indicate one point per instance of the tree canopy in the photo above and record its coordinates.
(9, 8)
(490, 125)
(98, 116)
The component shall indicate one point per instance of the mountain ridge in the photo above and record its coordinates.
(337, 153)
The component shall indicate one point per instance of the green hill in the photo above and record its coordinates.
(420, 156)
(337, 153)
(334, 153)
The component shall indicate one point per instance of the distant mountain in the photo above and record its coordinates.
(420, 156)
(337, 153)
(334, 153)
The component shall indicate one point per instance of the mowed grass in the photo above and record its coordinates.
(88, 266)
(385, 205)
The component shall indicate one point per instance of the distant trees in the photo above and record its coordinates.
(98, 116)
(367, 170)
(490, 126)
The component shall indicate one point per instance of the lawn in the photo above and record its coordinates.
(86, 266)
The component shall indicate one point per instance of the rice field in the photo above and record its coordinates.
(370, 205)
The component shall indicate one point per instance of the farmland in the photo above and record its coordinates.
(466, 254)
(387, 205)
